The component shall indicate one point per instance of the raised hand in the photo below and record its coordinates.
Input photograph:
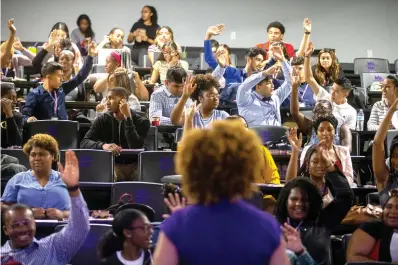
(222, 61)
(293, 239)
(175, 203)
(124, 108)
(190, 111)
(278, 53)
(6, 107)
(17, 44)
(92, 47)
(307, 25)
(215, 30)
(295, 80)
(70, 172)
(11, 26)
(189, 86)
(293, 140)
(271, 70)
(310, 49)
(324, 155)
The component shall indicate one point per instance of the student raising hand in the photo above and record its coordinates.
(214, 31)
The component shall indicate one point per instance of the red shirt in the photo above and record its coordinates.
(289, 48)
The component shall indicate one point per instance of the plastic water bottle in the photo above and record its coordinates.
(360, 120)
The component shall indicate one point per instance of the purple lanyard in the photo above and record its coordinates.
(55, 98)
(297, 227)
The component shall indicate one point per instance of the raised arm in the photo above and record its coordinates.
(378, 153)
(309, 78)
(140, 90)
(212, 31)
(304, 124)
(307, 25)
(284, 90)
(177, 114)
(292, 168)
(155, 72)
(49, 47)
(68, 241)
(346, 137)
(6, 53)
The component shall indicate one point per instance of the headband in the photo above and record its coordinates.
(117, 57)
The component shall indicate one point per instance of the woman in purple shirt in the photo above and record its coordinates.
(219, 227)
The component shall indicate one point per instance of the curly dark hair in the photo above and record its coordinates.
(278, 25)
(204, 83)
(219, 163)
(254, 51)
(309, 192)
(44, 141)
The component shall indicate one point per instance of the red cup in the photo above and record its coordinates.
(155, 121)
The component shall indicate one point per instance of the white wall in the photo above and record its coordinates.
(349, 26)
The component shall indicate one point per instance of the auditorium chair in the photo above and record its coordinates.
(151, 139)
(155, 165)
(269, 133)
(23, 159)
(371, 65)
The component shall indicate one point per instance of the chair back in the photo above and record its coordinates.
(344, 243)
(234, 111)
(203, 64)
(98, 69)
(94, 165)
(23, 159)
(150, 194)
(373, 198)
(308, 114)
(154, 165)
(65, 132)
(390, 135)
(355, 144)
(370, 65)
(151, 139)
(87, 253)
(269, 133)
(178, 135)
(367, 79)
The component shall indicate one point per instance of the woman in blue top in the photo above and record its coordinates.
(218, 166)
(41, 187)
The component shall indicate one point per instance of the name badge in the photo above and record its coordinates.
(54, 118)
(302, 105)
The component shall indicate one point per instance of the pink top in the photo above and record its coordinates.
(24, 59)
(344, 156)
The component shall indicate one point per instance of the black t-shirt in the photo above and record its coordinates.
(379, 231)
(150, 32)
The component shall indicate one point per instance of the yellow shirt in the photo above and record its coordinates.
(269, 174)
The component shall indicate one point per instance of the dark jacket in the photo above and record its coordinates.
(317, 228)
(128, 134)
(40, 104)
(113, 260)
(11, 130)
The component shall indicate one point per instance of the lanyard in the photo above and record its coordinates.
(298, 226)
(55, 98)
(305, 90)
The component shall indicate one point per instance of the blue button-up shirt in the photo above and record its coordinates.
(40, 104)
(24, 188)
(251, 104)
(162, 104)
(305, 95)
(58, 248)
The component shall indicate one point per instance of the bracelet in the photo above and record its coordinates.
(307, 32)
(74, 188)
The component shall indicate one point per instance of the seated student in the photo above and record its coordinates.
(120, 78)
(83, 32)
(114, 40)
(327, 70)
(164, 99)
(325, 128)
(300, 205)
(377, 240)
(129, 241)
(169, 57)
(276, 31)
(119, 128)
(340, 90)
(380, 108)
(47, 101)
(58, 248)
(11, 120)
(261, 106)
(41, 188)
(164, 35)
(305, 95)
(6, 48)
(386, 176)
(202, 89)
(313, 167)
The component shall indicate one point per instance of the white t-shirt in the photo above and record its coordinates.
(344, 113)
(395, 119)
(139, 261)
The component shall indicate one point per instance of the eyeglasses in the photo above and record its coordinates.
(145, 228)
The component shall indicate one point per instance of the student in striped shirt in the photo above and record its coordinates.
(58, 248)
(380, 108)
